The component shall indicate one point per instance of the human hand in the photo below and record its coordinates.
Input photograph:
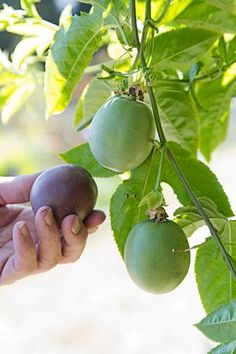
(31, 244)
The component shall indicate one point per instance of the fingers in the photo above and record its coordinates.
(49, 247)
(25, 257)
(94, 219)
(16, 190)
(75, 236)
(24, 260)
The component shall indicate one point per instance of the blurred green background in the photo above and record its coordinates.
(29, 143)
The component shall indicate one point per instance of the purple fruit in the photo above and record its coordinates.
(66, 189)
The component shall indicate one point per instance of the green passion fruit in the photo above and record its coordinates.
(122, 133)
(156, 257)
(66, 189)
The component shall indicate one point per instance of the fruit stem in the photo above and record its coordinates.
(162, 138)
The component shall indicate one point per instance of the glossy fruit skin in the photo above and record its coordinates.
(122, 133)
(150, 259)
(66, 189)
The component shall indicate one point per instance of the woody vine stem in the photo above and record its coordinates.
(139, 45)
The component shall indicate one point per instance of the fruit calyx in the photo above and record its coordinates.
(159, 214)
(134, 92)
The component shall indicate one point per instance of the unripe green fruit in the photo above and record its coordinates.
(122, 133)
(155, 257)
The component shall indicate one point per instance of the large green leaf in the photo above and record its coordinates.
(227, 5)
(180, 46)
(201, 179)
(215, 98)
(124, 207)
(68, 57)
(92, 98)
(200, 14)
(81, 155)
(220, 325)
(215, 283)
(229, 348)
(178, 115)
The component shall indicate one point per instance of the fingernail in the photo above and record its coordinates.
(49, 219)
(23, 229)
(76, 226)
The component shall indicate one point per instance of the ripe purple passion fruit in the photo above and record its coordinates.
(66, 189)
(154, 255)
(122, 133)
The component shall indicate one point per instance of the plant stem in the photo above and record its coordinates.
(201, 211)
(185, 183)
(160, 167)
(163, 13)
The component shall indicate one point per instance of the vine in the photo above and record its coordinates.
(162, 138)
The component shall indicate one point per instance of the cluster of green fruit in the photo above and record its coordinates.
(121, 138)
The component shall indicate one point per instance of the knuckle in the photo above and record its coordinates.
(25, 269)
(46, 265)
(71, 257)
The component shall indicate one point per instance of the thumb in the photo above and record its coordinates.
(17, 189)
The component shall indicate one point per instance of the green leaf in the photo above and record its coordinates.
(81, 155)
(5, 93)
(231, 50)
(39, 36)
(68, 58)
(153, 199)
(190, 220)
(32, 28)
(10, 16)
(178, 115)
(215, 283)
(175, 9)
(17, 99)
(201, 179)
(181, 46)
(115, 16)
(66, 16)
(229, 348)
(215, 98)
(226, 5)
(222, 48)
(220, 325)
(92, 98)
(30, 8)
(200, 14)
(124, 207)
(24, 49)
